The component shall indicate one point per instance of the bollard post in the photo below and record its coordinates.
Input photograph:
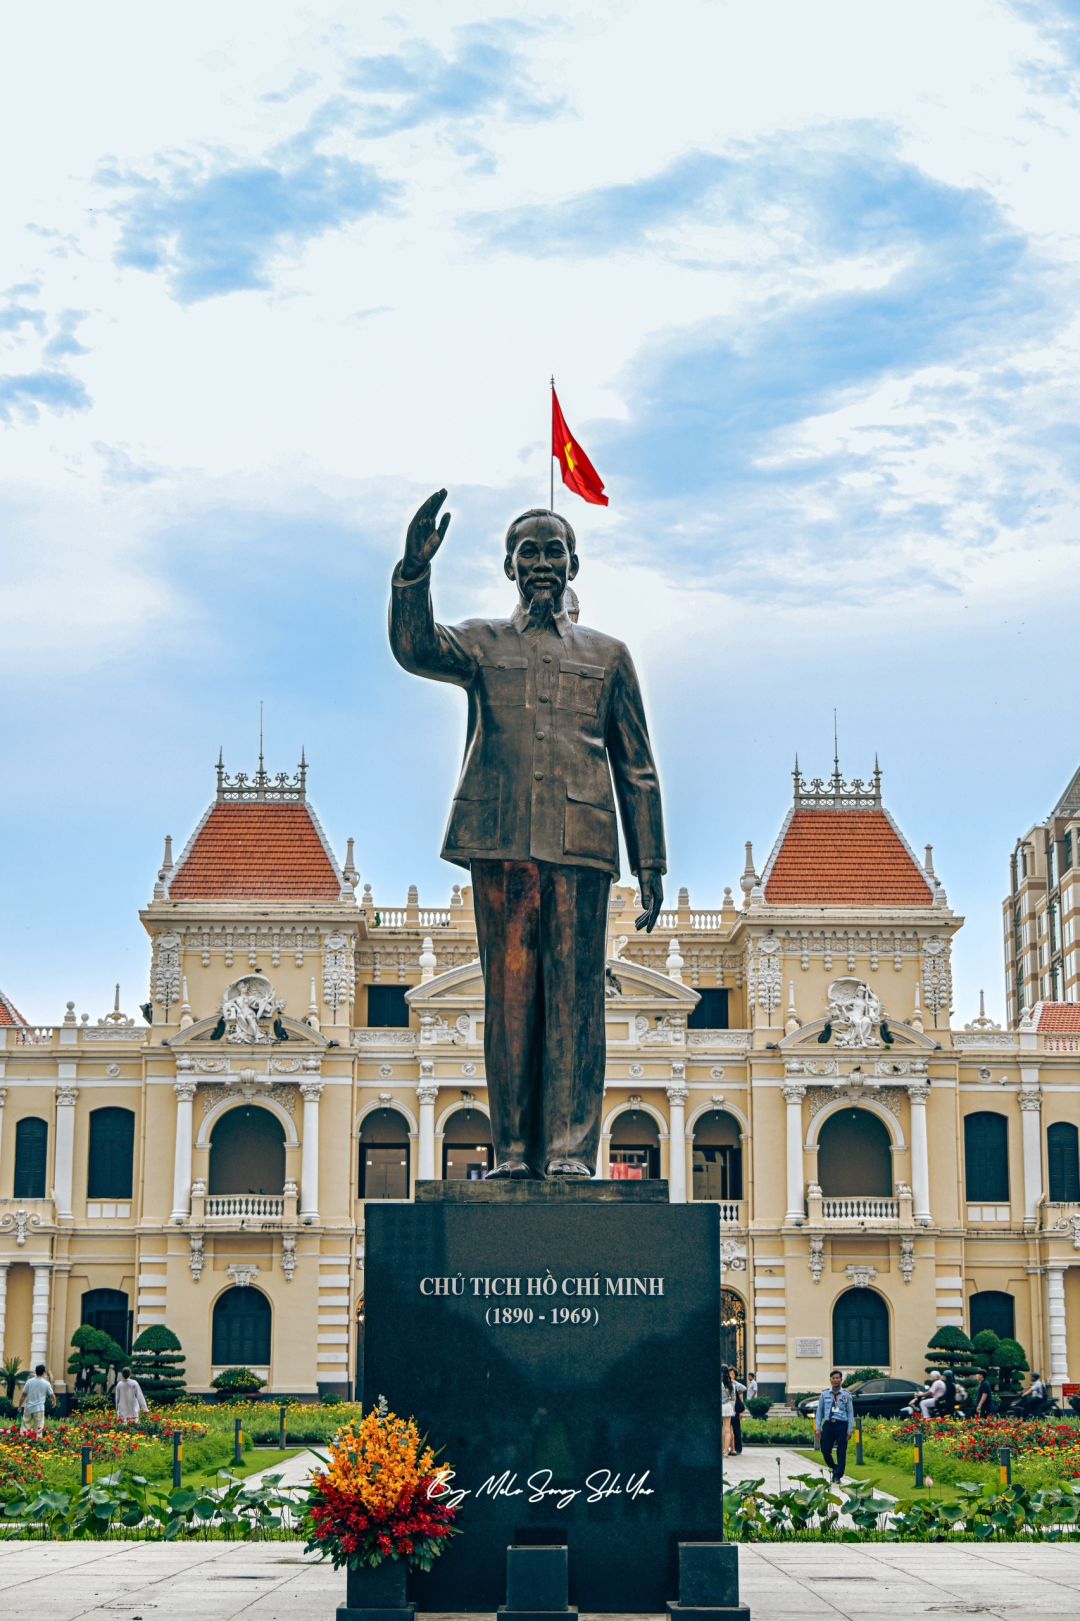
(238, 1441)
(282, 1427)
(87, 1466)
(1005, 1461)
(919, 1472)
(858, 1438)
(177, 1458)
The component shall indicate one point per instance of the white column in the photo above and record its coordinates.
(677, 1095)
(920, 1154)
(181, 1198)
(1059, 1340)
(311, 1092)
(426, 1095)
(793, 1097)
(3, 1304)
(64, 1160)
(1031, 1124)
(39, 1320)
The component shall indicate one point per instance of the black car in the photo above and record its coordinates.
(873, 1398)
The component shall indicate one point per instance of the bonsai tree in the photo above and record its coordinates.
(1012, 1362)
(238, 1382)
(157, 1362)
(94, 1353)
(950, 1350)
(759, 1406)
(13, 1373)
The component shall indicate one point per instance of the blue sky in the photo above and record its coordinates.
(808, 279)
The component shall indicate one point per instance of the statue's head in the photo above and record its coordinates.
(541, 559)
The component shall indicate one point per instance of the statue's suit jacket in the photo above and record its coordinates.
(554, 716)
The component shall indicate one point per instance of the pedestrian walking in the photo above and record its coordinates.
(727, 1409)
(984, 1395)
(36, 1392)
(129, 1399)
(737, 1418)
(751, 1386)
(833, 1424)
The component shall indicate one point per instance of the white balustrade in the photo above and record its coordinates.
(268, 1206)
(731, 1213)
(860, 1208)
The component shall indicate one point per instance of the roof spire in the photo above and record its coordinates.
(838, 781)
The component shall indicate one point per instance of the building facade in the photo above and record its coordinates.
(787, 1053)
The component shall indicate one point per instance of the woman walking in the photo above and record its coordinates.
(129, 1399)
(727, 1410)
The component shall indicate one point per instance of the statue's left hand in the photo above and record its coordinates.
(425, 536)
(652, 898)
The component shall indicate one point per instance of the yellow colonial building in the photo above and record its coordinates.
(787, 1052)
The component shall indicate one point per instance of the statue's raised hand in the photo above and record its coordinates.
(424, 536)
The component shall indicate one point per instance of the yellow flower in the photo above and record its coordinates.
(379, 1460)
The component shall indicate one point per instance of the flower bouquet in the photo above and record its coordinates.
(380, 1497)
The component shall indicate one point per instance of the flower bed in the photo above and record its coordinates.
(1045, 1452)
(54, 1458)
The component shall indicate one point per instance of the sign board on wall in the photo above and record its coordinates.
(809, 1347)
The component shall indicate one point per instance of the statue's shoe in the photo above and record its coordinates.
(510, 1168)
(567, 1167)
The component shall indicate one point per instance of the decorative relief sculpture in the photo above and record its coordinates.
(243, 1275)
(288, 1255)
(861, 1276)
(21, 1221)
(763, 974)
(197, 1256)
(937, 976)
(817, 1258)
(339, 973)
(732, 1255)
(854, 1013)
(907, 1257)
(249, 1011)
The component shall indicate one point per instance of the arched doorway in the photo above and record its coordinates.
(718, 1172)
(732, 1330)
(107, 1309)
(384, 1155)
(466, 1146)
(854, 1155)
(247, 1152)
(860, 1326)
(635, 1147)
(995, 1310)
(241, 1329)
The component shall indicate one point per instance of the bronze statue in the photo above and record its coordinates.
(555, 714)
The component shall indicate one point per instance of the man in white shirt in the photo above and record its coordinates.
(35, 1393)
(751, 1386)
(129, 1398)
(937, 1389)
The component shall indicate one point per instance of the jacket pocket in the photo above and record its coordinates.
(502, 681)
(580, 686)
(589, 830)
(474, 824)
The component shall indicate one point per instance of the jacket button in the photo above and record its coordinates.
(539, 775)
(500, 666)
(544, 699)
(540, 735)
(547, 658)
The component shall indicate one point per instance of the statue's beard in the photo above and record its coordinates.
(541, 608)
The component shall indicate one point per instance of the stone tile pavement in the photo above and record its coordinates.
(218, 1581)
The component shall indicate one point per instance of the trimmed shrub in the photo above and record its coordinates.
(238, 1382)
(951, 1350)
(1011, 1361)
(157, 1361)
(758, 1406)
(94, 1354)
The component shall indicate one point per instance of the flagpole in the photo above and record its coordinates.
(551, 456)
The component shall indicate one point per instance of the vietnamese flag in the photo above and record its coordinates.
(578, 472)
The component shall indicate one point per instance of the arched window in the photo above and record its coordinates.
(466, 1146)
(986, 1157)
(717, 1156)
(993, 1309)
(31, 1157)
(384, 1155)
(247, 1152)
(732, 1330)
(112, 1152)
(107, 1309)
(635, 1147)
(860, 1330)
(241, 1337)
(1063, 1162)
(854, 1156)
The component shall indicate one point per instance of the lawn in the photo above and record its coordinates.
(255, 1459)
(888, 1478)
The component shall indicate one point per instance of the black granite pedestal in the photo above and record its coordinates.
(560, 1343)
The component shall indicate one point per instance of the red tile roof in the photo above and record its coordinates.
(844, 857)
(10, 1017)
(256, 852)
(1059, 1018)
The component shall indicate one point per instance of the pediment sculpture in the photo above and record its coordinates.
(250, 1012)
(855, 1014)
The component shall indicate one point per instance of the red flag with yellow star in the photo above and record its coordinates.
(578, 472)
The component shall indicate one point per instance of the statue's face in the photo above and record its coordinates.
(541, 562)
